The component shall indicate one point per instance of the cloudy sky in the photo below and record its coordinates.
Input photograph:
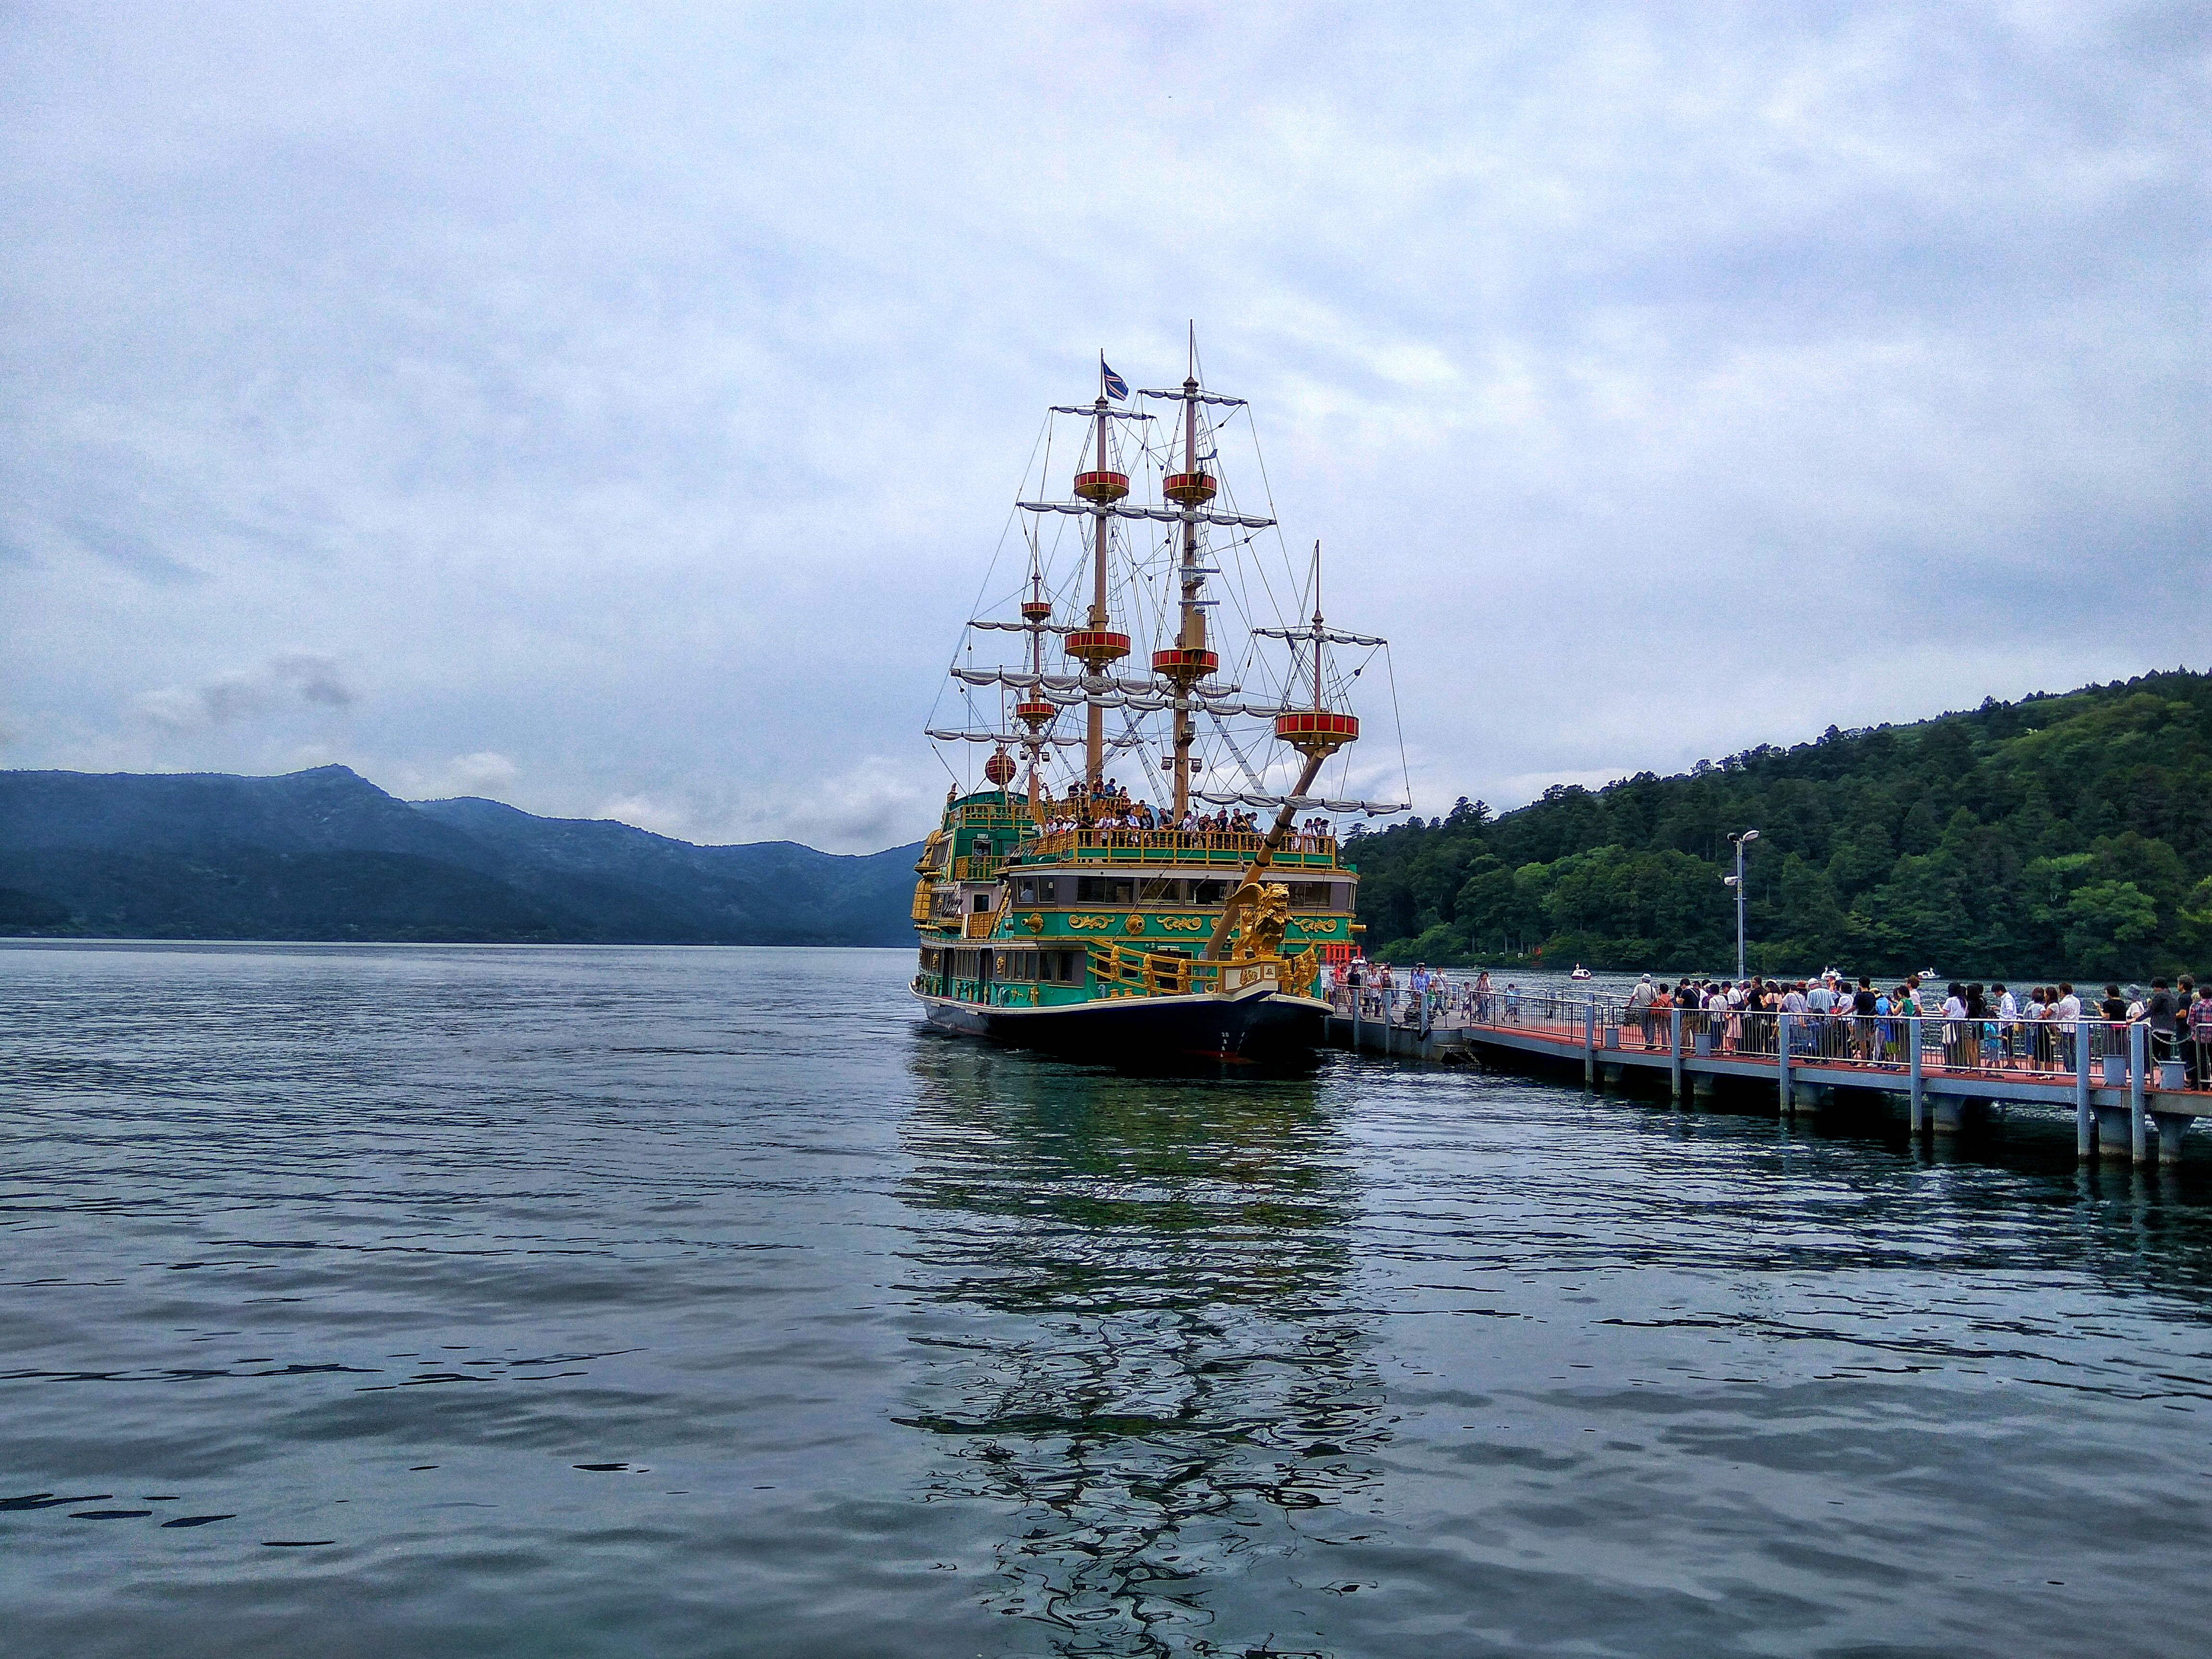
(611, 410)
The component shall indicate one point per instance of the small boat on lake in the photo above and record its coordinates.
(1182, 919)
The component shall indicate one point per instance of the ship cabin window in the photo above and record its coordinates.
(1316, 895)
(1045, 967)
(982, 902)
(1036, 890)
(932, 960)
(969, 964)
(1208, 892)
(983, 848)
(1105, 889)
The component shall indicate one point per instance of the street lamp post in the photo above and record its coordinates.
(1736, 882)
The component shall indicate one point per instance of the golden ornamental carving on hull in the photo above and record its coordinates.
(1083, 923)
(1182, 924)
(1034, 923)
(1318, 925)
(1134, 924)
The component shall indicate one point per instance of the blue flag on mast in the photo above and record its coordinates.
(1115, 385)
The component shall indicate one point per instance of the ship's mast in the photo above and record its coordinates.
(1096, 644)
(1316, 633)
(1034, 612)
(1190, 662)
(1094, 717)
(1192, 637)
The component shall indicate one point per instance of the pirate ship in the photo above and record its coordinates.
(1184, 918)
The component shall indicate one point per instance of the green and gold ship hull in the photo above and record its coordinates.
(1092, 943)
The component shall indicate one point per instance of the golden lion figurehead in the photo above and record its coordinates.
(1265, 910)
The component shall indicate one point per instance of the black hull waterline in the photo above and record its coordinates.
(1259, 1029)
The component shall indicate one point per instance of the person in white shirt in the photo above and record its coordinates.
(2069, 1022)
(1795, 1004)
(1821, 1005)
(1639, 1008)
(1954, 1028)
(2007, 1024)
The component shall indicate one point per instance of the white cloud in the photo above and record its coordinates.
(876, 803)
(663, 818)
(486, 773)
(880, 802)
(284, 681)
(635, 397)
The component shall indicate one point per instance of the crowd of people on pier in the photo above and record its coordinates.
(1980, 1027)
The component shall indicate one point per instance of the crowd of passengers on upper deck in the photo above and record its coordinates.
(1109, 807)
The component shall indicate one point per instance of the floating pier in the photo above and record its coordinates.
(2126, 1104)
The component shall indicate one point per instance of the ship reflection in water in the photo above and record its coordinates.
(1150, 1359)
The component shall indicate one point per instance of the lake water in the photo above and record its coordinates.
(549, 1301)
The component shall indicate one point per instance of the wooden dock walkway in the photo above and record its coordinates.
(2126, 1104)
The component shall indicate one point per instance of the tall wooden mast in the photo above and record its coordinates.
(1190, 661)
(1096, 644)
(1034, 710)
(1094, 728)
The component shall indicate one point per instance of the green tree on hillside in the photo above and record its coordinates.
(2058, 835)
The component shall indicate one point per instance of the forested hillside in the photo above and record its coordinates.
(2059, 835)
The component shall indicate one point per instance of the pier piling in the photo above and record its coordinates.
(1919, 1096)
(2084, 1120)
(1781, 1064)
(2138, 1125)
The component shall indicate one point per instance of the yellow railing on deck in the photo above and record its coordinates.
(1171, 843)
(1131, 970)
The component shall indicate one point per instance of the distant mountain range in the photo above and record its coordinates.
(325, 854)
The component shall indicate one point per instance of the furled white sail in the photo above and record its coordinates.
(1301, 802)
(1161, 514)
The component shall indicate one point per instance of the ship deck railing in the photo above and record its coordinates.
(1176, 846)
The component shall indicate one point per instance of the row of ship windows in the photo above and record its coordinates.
(1165, 890)
(1042, 967)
